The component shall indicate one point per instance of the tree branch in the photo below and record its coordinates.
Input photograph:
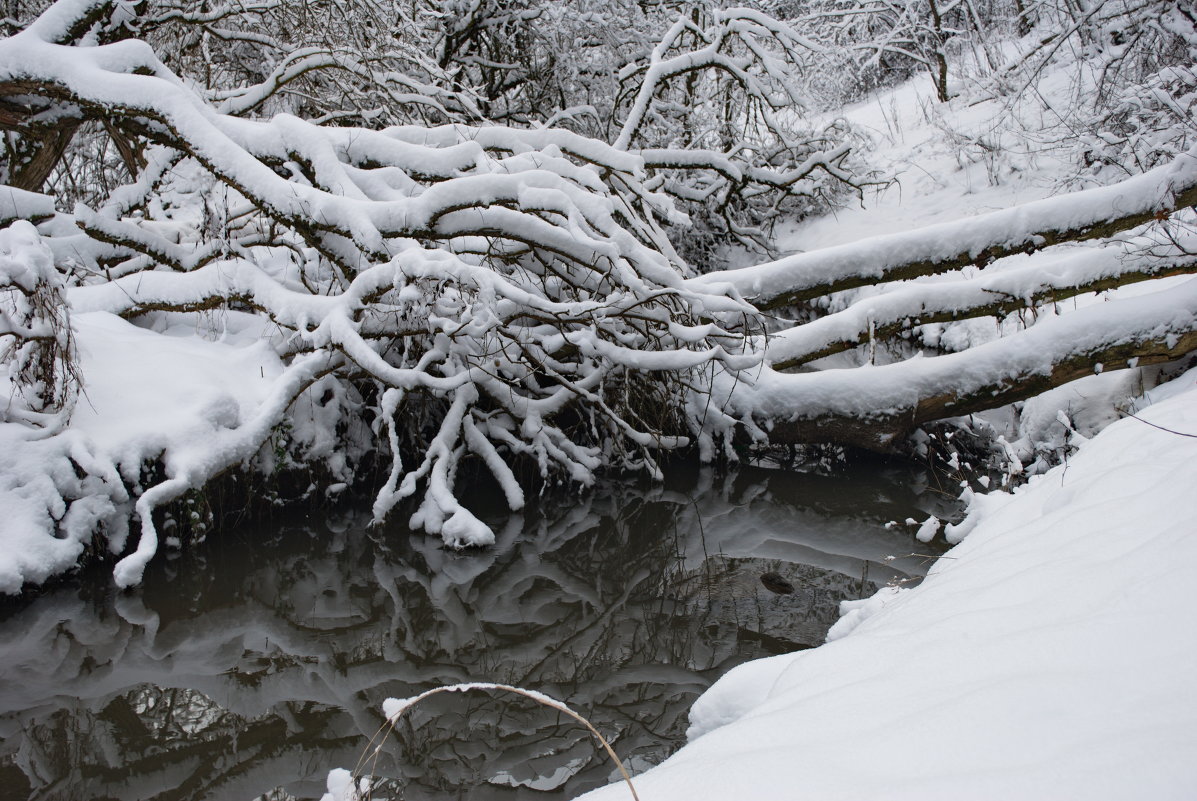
(1080, 216)
(875, 407)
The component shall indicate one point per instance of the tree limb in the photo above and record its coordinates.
(875, 407)
(979, 240)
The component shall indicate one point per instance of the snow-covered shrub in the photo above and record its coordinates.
(1144, 126)
(37, 348)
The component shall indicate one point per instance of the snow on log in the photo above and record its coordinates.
(1039, 281)
(873, 407)
(1090, 214)
(17, 204)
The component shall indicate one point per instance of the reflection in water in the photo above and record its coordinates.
(249, 666)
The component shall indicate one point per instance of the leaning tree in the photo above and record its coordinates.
(469, 251)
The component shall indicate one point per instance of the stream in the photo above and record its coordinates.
(248, 666)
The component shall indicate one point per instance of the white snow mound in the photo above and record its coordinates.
(1049, 656)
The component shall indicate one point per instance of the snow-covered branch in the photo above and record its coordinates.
(1018, 289)
(37, 346)
(1089, 214)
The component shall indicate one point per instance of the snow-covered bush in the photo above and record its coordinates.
(1146, 125)
(884, 41)
(494, 293)
(37, 348)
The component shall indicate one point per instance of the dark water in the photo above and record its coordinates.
(249, 666)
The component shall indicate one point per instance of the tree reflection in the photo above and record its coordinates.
(250, 666)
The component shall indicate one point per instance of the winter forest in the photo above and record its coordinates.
(490, 271)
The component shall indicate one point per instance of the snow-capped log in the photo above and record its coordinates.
(1042, 280)
(875, 407)
(17, 204)
(980, 240)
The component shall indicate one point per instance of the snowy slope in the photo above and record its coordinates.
(1048, 656)
(947, 162)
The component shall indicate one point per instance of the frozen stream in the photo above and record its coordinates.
(250, 665)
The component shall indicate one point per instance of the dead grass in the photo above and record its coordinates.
(395, 710)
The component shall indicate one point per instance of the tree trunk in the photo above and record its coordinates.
(883, 431)
(36, 155)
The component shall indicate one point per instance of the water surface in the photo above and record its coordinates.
(248, 666)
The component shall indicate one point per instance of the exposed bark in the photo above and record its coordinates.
(939, 69)
(131, 154)
(38, 154)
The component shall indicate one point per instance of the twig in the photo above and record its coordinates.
(540, 698)
(1161, 428)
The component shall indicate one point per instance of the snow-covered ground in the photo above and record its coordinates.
(948, 161)
(143, 395)
(1048, 656)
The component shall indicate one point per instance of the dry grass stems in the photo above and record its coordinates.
(395, 709)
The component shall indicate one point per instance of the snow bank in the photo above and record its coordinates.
(1047, 656)
(145, 393)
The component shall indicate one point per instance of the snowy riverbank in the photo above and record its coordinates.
(147, 393)
(1047, 656)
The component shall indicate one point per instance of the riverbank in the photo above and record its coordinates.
(1047, 656)
(148, 396)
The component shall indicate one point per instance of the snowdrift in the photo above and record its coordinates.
(1047, 656)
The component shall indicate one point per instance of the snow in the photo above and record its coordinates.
(928, 529)
(880, 390)
(144, 393)
(966, 175)
(1049, 655)
(1019, 227)
(490, 252)
(15, 203)
(156, 390)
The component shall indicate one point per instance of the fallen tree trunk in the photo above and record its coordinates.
(980, 240)
(875, 407)
(875, 318)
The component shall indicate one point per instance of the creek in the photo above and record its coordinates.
(249, 665)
